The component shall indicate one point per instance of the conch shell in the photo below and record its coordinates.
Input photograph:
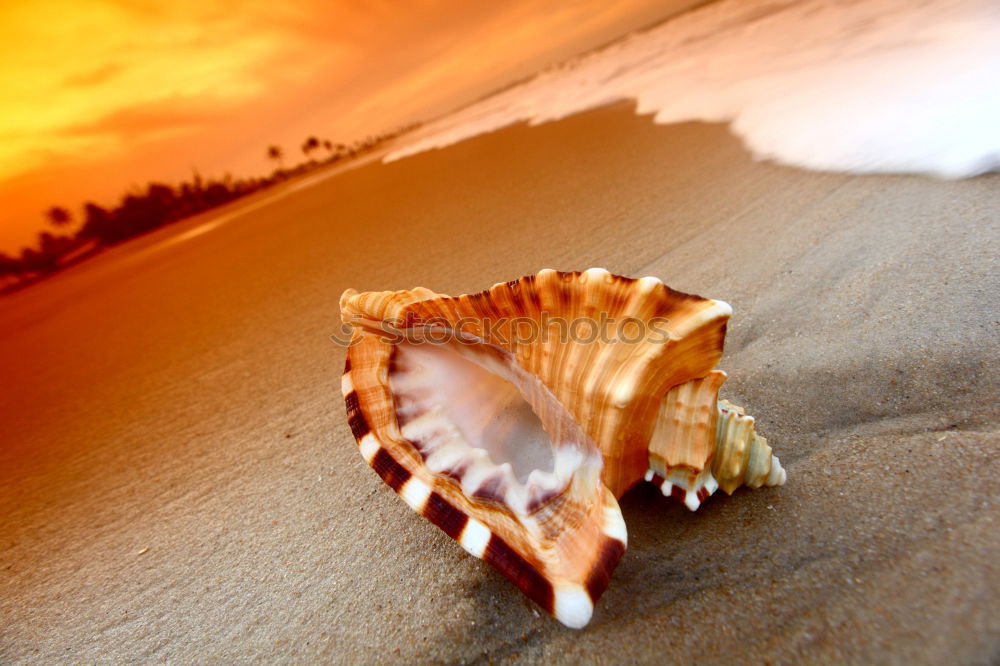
(514, 418)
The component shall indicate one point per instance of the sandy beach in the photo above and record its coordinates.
(178, 482)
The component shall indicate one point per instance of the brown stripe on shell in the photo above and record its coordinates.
(440, 512)
(347, 365)
(390, 363)
(600, 575)
(391, 471)
(494, 488)
(402, 416)
(456, 472)
(355, 417)
(538, 501)
(678, 493)
(419, 444)
(529, 282)
(520, 572)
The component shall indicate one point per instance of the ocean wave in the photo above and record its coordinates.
(863, 87)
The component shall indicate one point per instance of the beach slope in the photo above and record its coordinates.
(178, 481)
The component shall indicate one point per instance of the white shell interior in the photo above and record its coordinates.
(480, 419)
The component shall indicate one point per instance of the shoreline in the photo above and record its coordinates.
(288, 182)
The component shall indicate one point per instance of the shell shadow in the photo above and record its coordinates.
(675, 553)
(502, 623)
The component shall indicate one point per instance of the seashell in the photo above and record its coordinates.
(514, 418)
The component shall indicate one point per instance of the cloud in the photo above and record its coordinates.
(94, 77)
(133, 123)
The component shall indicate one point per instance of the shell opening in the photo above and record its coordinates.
(475, 416)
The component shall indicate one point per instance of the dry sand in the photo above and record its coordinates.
(178, 483)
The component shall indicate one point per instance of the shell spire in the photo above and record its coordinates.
(743, 458)
(514, 418)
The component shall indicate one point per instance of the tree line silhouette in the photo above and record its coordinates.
(142, 210)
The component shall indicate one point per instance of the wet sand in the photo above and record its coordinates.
(178, 482)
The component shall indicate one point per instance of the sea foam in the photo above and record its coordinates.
(876, 86)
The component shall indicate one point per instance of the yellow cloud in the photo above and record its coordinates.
(68, 65)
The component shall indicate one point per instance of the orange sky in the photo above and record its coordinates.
(98, 95)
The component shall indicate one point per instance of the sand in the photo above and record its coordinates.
(178, 483)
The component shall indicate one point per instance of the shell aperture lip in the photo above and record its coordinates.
(478, 418)
(539, 533)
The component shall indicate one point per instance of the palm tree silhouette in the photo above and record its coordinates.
(311, 144)
(9, 266)
(58, 216)
(277, 154)
(144, 209)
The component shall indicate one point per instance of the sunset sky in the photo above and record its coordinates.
(96, 96)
